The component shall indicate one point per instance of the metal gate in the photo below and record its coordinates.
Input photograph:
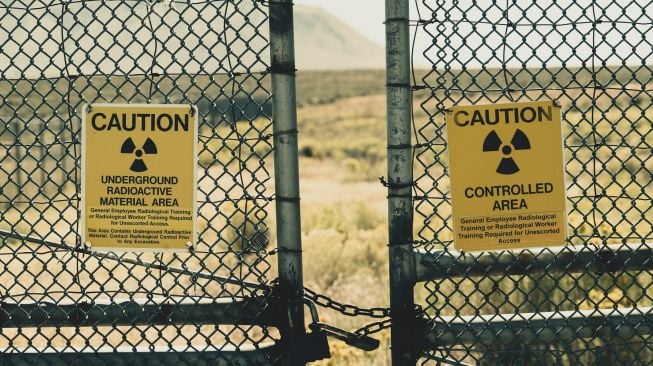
(587, 303)
(61, 302)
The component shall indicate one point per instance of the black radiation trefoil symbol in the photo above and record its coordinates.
(128, 147)
(519, 142)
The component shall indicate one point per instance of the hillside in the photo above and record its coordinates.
(323, 42)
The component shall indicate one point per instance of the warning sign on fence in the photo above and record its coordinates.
(139, 164)
(507, 176)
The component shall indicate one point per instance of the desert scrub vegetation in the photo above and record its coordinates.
(324, 87)
(346, 258)
(350, 132)
(342, 150)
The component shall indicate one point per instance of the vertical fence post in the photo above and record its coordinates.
(400, 178)
(286, 164)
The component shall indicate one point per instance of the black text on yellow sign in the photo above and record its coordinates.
(139, 184)
(507, 176)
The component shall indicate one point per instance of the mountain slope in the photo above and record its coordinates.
(323, 42)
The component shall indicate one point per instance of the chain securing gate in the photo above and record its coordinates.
(587, 303)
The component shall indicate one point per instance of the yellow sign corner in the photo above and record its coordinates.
(139, 177)
(507, 176)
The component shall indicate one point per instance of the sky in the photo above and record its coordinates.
(484, 44)
(458, 43)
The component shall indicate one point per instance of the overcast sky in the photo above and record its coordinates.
(478, 46)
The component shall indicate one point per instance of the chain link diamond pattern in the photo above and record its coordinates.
(594, 58)
(56, 57)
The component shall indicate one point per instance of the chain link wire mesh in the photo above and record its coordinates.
(57, 56)
(593, 57)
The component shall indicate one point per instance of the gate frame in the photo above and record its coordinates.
(281, 312)
(410, 334)
(400, 182)
(286, 170)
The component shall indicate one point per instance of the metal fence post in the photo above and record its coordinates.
(400, 178)
(286, 165)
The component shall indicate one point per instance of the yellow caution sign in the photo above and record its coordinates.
(507, 176)
(139, 184)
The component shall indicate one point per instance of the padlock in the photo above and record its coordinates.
(311, 346)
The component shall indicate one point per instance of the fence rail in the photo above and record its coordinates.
(437, 265)
(241, 356)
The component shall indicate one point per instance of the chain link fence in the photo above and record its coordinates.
(56, 295)
(589, 302)
(586, 303)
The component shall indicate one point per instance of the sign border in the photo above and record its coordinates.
(82, 200)
(565, 212)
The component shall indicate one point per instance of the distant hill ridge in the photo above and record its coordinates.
(324, 42)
